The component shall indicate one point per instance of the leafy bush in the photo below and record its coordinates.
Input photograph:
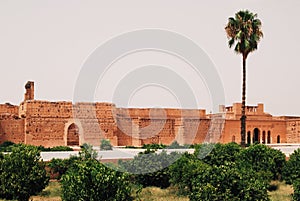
(291, 170)
(222, 153)
(184, 170)
(228, 182)
(105, 145)
(176, 145)
(59, 167)
(87, 152)
(61, 148)
(91, 180)
(21, 173)
(154, 146)
(56, 148)
(261, 158)
(296, 186)
(149, 168)
(6, 146)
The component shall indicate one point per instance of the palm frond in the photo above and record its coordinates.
(231, 42)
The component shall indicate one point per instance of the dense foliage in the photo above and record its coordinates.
(88, 179)
(227, 172)
(149, 168)
(154, 146)
(213, 172)
(91, 180)
(291, 171)
(296, 186)
(56, 148)
(228, 182)
(7, 146)
(222, 153)
(265, 160)
(22, 174)
(184, 170)
(105, 145)
(58, 167)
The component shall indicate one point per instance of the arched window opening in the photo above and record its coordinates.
(248, 137)
(278, 139)
(233, 138)
(256, 135)
(264, 137)
(269, 137)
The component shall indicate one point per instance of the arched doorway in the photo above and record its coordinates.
(256, 135)
(73, 135)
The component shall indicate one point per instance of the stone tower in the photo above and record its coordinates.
(29, 95)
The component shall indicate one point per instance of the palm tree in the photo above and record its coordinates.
(244, 31)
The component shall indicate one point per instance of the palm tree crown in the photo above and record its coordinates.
(245, 31)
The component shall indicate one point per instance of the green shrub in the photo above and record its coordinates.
(21, 173)
(222, 153)
(154, 146)
(291, 170)
(228, 182)
(60, 166)
(296, 187)
(6, 146)
(261, 158)
(56, 148)
(149, 168)
(105, 145)
(184, 170)
(87, 152)
(61, 148)
(91, 180)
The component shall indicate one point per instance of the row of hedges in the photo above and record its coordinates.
(228, 172)
(7, 146)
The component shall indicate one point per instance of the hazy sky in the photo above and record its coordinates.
(49, 41)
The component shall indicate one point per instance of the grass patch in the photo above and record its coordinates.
(279, 192)
(51, 193)
(157, 194)
(282, 193)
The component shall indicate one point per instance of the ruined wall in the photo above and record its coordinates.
(97, 121)
(195, 130)
(11, 129)
(147, 126)
(62, 123)
(48, 123)
(45, 122)
(293, 130)
(9, 109)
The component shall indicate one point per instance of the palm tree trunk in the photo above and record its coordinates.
(243, 117)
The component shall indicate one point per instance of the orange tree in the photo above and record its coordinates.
(22, 174)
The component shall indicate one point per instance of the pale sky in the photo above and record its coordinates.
(48, 41)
